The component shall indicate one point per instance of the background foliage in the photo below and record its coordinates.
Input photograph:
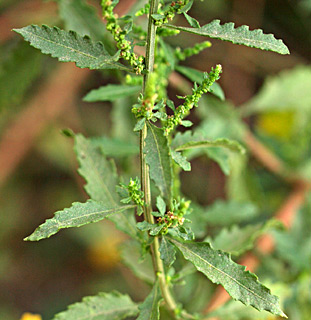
(37, 166)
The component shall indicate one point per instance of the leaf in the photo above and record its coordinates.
(97, 171)
(161, 205)
(169, 55)
(224, 213)
(112, 147)
(197, 76)
(131, 256)
(159, 160)
(193, 22)
(70, 47)
(140, 124)
(224, 143)
(79, 214)
(219, 268)
(81, 18)
(111, 92)
(17, 73)
(181, 160)
(167, 252)
(216, 150)
(149, 309)
(289, 90)
(101, 181)
(240, 35)
(104, 306)
(237, 240)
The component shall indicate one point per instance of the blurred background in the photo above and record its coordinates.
(39, 97)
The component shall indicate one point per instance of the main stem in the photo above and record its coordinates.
(145, 181)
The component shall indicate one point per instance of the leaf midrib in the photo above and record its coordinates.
(226, 274)
(118, 209)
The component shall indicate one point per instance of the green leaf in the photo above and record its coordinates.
(140, 124)
(193, 22)
(159, 160)
(222, 150)
(111, 92)
(97, 171)
(150, 308)
(81, 18)
(70, 47)
(167, 252)
(104, 306)
(17, 73)
(237, 240)
(181, 160)
(287, 91)
(240, 35)
(131, 256)
(161, 205)
(168, 53)
(112, 147)
(219, 268)
(226, 213)
(101, 180)
(224, 143)
(79, 214)
(198, 76)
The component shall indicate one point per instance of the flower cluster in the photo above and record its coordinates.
(173, 218)
(192, 99)
(119, 36)
(176, 7)
(132, 193)
(188, 52)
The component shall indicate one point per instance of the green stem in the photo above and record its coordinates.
(145, 180)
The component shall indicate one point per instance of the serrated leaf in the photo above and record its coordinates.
(159, 160)
(198, 76)
(219, 268)
(240, 35)
(237, 240)
(111, 92)
(97, 171)
(181, 160)
(167, 252)
(79, 214)
(101, 180)
(150, 308)
(224, 143)
(104, 306)
(70, 47)
(17, 73)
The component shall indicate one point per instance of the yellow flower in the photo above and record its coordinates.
(30, 316)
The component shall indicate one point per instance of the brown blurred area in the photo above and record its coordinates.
(38, 167)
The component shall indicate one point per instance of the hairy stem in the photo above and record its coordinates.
(145, 180)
